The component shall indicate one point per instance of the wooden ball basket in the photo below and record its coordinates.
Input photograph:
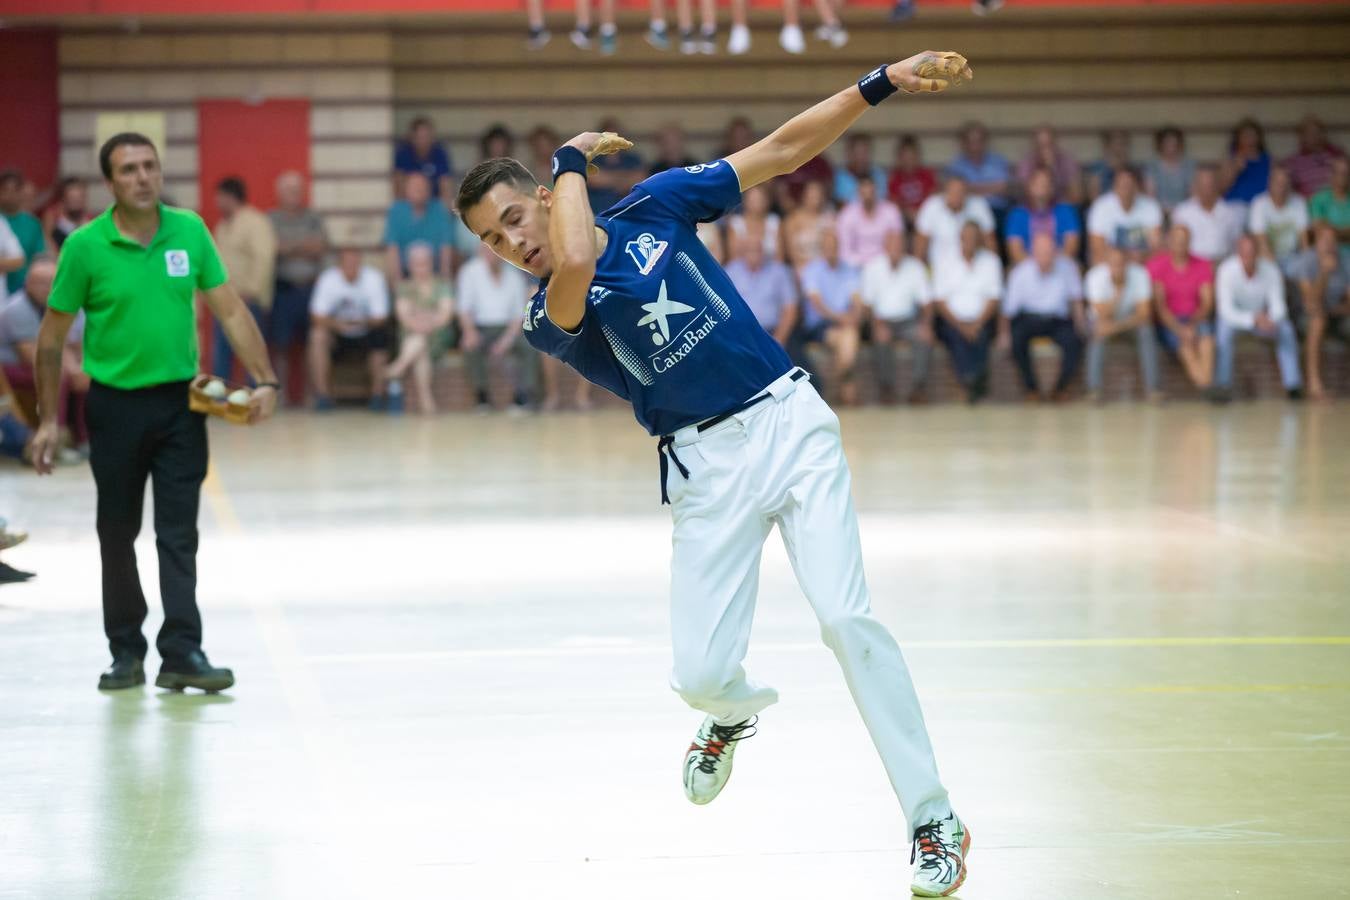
(200, 402)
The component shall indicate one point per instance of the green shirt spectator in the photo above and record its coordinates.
(1332, 205)
(25, 226)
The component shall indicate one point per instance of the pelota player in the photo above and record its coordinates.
(632, 300)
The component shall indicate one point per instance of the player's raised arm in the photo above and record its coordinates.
(804, 136)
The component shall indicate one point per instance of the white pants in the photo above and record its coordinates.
(782, 462)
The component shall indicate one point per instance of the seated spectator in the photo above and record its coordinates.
(807, 225)
(1331, 205)
(863, 224)
(790, 189)
(1041, 215)
(1121, 295)
(1123, 217)
(542, 141)
(767, 286)
(1279, 220)
(1047, 154)
(1246, 172)
(12, 257)
(967, 288)
(670, 150)
(1168, 175)
(756, 222)
(1183, 301)
(302, 244)
(492, 297)
(941, 218)
(423, 305)
(1043, 299)
(24, 224)
(987, 174)
(498, 141)
(1250, 293)
(739, 135)
(423, 154)
(1310, 167)
(1214, 223)
(1323, 277)
(1100, 174)
(618, 173)
(349, 312)
(20, 319)
(832, 313)
(417, 220)
(896, 292)
(248, 248)
(911, 181)
(858, 164)
(69, 211)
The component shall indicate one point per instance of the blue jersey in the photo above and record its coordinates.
(664, 327)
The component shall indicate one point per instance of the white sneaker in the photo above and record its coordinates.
(838, 37)
(707, 762)
(940, 847)
(823, 32)
(581, 38)
(707, 43)
(791, 39)
(739, 42)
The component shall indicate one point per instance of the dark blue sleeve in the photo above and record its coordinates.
(440, 158)
(540, 331)
(699, 193)
(403, 158)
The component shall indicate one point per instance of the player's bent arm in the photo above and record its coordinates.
(571, 238)
(242, 331)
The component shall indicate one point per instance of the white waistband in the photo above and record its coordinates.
(778, 390)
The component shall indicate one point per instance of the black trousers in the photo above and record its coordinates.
(1026, 326)
(969, 359)
(135, 435)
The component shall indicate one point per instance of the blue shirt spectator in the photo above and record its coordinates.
(838, 285)
(767, 287)
(1247, 171)
(988, 174)
(423, 154)
(417, 220)
(1040, 216)
(858, 160)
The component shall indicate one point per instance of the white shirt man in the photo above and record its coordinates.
(1119, 293)
(492, 298)
(351, 304)
(895, 293)
(1249, 297)
(1101, 288)
(1130, 228)
(967, 286)
(1039, 291)
(1214, 231)
(1280, 225)
(491, 293)
(941, 224)
(10, 248)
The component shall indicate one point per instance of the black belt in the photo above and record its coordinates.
(665, 447)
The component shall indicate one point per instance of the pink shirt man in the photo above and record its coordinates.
(862, 234)
(1181, 287)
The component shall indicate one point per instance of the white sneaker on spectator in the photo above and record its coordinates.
(658, 35)
(707, 44)
(739, 42)
(823, 32)
(538, 38)
(581, 38)
(838, 37)
(791, 39)
(688, 43)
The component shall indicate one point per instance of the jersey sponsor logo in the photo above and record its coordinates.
(599, 293)
(690, 338)
(659, 313)
(176, 263)
(645, 251)
(533, 314)
(702, 167)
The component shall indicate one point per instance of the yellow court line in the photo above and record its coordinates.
(1336, 640)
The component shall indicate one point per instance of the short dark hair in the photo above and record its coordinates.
(488, 173)
(909, 140)
(418, 123)
(1166, 132)
(122, 139)
(10, 176)
(234, 187)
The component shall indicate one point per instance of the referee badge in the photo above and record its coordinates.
(176, 261)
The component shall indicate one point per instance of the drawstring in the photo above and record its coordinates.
(664, 447)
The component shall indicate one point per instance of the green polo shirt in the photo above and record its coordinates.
(140, 318)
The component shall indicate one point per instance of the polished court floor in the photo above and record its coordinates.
(1130, 627)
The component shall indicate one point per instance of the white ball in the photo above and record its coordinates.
(240, 397)
(215, 389)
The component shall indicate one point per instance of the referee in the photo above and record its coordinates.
(135, 271)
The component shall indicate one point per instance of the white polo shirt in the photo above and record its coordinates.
(1121, 227)
(1280, 224)
(492, 300)
(895, 293)
(1239, 296)
(351, 303)
(967, 286)
(1214, 232)
(1138, 288)
(942, 227)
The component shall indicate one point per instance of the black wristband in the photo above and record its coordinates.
(568, 159)
(875, 86)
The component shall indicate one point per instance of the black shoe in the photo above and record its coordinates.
(1295, 394)
(193, 671)
(1219, 396)
(11, 575)
(125, 672)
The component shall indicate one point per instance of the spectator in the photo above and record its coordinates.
(986, 173)
(491, 297)
(896, 292)
(1214, 223)
(424, 305)
(1101, 173)
(1120, 293)
(618, 173)
(1331, 205)
(1279, 220)
(941, 218)
(70, 211)
(1047, 154)
(417, 220)
(421, 153)
(767, 286)
(349, 313)
(1041, 215)
(863, 224)
(1122, 217)
(497, 141)
(20, 319)
(1044, 298)
(1246, 172)
(966, 293)
(1324, 281)
(755, 223)
(1168, 176)
(24, 224)
(538, 36)
(670, 150)
(858, 162)
(807, 226)
(248, 248)
(1310, 167)
(1183, 300)
(12, 258)
(832, 313)
(581, 34)
(739, 135)
(542, 141)
(911, 181)
(791, 187)
(302, 243)
(1250, 293)
(691, 42)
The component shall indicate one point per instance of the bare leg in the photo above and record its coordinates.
(551, 371)
(739, 16)
(1317, 327)
(534, 11)
(321, 360)
(684, 15)
(583, 14)
(422, 372)
(708, 10)
(377, 363)
(414, 346)
(1205, 352)
(791, 14)
(825, 9)
(607, 13)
